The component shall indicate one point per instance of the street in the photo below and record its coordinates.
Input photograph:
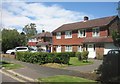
(6, 78)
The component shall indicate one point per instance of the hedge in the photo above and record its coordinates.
(71, 54)
(43, 57)
(78, 55)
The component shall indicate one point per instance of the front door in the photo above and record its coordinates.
(91, 50)
(58, 49)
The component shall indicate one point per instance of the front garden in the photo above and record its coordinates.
(55, 60)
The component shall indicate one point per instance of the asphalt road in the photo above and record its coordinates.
(6, 78)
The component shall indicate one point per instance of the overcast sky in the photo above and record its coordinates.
(51, 15)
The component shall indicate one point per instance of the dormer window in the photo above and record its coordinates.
(82, 33)
(58, 35)
(68, 34)
(95, 32)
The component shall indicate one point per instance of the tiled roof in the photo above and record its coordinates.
(88, 24)
(44, 34)
(43, 43)
(98, 40)
(32, 43)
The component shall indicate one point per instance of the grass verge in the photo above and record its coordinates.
(75, 62)
(64, 78)
(8, 65)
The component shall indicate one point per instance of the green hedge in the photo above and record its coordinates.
(43, 57)
(71, 54)
(78, 55)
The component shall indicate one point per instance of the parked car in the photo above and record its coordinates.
(113, 52)
(19, 49)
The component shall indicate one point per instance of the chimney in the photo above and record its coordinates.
(86, 18)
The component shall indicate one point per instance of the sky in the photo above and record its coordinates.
(50, 15)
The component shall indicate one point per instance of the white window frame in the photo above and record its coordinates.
(68, 34)
(95, 30)
(68, 48)
(80, 48)
(81, 33)
(58, 35)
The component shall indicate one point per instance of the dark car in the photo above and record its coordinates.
(113, 52)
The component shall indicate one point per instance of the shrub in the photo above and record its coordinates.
(78, 55)
(71, 54)
(84, 55)
(43, 57)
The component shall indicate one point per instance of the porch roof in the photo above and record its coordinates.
(43, 43)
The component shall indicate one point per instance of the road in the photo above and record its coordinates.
(6, 78)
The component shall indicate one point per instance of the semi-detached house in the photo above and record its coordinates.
(92, 35)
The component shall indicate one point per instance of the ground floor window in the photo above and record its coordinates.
(68, 48)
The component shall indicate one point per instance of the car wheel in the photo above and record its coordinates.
(12, 53)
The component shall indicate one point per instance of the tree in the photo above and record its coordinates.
(30, 29)
(23, 39)
(116, 38)
(11, 39)
(118, 9)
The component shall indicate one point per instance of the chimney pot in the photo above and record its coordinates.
(43, 31)
(86, 18)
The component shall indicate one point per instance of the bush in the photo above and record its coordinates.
(78, 55)
(71, 54)
(84, 55)
(43, 57)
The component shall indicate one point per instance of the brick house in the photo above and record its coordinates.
(92, 35)
(41, 41)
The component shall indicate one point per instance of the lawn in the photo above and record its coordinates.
(75, 62)
(8, 65)
(64, 78)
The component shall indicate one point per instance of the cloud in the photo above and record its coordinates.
(45, 17)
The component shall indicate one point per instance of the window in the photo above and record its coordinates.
(58, 35)
(95, 32)
(79, 48)
(68, 48)
(68, 34)
(82, 33)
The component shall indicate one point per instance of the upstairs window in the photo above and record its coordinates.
(68, 34)
(58, 35)
(95, 32)
(68, 48)
(82, 33)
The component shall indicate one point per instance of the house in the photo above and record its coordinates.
(94, 36)
(41, 41)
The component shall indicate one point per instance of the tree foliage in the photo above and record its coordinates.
(116, 38)
(12, 39)
(30, 29)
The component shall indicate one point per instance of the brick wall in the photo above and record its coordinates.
(114, 26)
(99, 50)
